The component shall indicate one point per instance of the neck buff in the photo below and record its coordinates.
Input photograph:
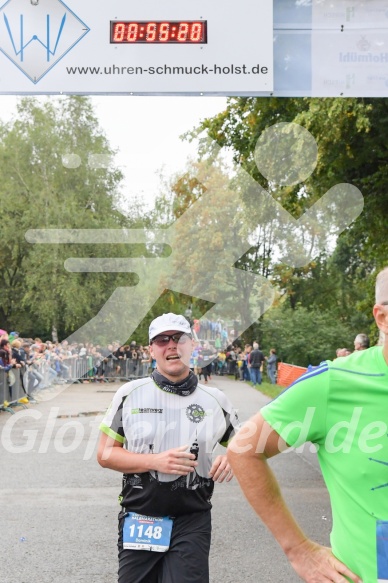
(183, 388)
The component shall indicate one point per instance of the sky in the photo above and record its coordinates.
(145, 130)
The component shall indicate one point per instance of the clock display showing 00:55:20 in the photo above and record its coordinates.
(158, 31)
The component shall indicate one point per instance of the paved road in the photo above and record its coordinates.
(58, 507)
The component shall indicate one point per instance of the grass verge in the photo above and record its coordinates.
(266, 388)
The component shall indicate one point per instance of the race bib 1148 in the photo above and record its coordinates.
(146, 533)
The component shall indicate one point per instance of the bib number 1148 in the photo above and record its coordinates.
(146, 533)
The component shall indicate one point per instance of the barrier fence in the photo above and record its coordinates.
(19, 386)
(289, 373)
(12, 390)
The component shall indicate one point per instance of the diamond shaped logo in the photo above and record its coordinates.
(36, 35)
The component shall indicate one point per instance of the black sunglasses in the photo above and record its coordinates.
(163, 339)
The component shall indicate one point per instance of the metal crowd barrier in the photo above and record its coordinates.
(39, 375)
(12, 392)
(78, 369)
(74, 369)
(124, 369)
(19, 386)
(84, 368)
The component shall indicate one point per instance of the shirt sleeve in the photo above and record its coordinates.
(112, 424)
(299, 413)
(231, 420)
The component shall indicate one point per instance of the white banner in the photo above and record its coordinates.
(219, 46)
(350, 64)
(350, 13)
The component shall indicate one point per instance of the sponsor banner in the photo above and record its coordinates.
(94, 46)
(350, 13)
(350, 64)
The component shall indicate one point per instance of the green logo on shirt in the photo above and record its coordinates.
(195, 413)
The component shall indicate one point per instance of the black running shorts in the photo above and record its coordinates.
(186, 561)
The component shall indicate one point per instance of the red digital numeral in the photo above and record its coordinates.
(151, 32)
(118, 34)
(158, 32)
(183, 32)
(196, 32)
(133, 28)
(163, 31)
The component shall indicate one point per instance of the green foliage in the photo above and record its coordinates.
(169, 302)
(319, 307)
(208, 233)
(304, 336)
(37, 191)
(351, 137)
(327, 302)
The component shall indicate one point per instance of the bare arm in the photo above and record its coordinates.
(248, 453)
(111, 454)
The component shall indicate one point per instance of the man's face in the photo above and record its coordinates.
(380, 312)
(173, 358)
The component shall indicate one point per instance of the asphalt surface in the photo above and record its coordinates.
(58, 507)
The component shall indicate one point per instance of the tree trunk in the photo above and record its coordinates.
(54, 334)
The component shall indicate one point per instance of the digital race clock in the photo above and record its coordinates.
(158, 31)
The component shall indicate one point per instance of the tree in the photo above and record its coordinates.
(56, 171)
(304, 336)
(351, 137)
(207, 239)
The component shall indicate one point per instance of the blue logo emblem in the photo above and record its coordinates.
(371, 459)
(36, 34)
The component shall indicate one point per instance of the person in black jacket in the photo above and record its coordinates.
(206, 356)
(256, 359)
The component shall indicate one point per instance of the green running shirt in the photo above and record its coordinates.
(342, 407)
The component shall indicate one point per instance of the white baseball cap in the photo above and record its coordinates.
(169, 322)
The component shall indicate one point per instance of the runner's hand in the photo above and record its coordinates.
(317, 564)
(221, 469)
(175, 461)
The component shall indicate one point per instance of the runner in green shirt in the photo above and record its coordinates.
(341, 406)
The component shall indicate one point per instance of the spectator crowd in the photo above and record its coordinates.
(45, 363)
(216, 352)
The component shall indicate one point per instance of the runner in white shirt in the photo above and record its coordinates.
(160, 432)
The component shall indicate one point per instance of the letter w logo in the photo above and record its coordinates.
(23, 42)
(36, 36)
